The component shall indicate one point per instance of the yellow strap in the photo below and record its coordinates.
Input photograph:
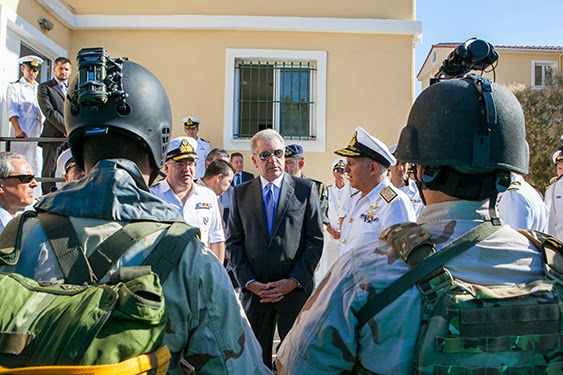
(135, 366)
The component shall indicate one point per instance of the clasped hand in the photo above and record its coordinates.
(273, 291)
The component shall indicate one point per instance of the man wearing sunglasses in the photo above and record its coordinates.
(17, 184)
(24, 113)
(274, 240)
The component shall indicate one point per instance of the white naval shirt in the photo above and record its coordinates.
(202, 151)
(521, 206)
(382, 207)
(338, 204)
(554, 200)
(22, 102)
(411, 190)
(201, 210)
(5, 218)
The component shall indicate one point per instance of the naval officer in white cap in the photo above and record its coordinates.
(67, 167)
(196, 203)
(377, 204)
(191, 128)
(24, 113)
(399, 177)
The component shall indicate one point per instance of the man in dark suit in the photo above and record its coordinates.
(274, 240)
(237, 161)
(51, 97)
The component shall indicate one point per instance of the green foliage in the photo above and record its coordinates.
(544, 127)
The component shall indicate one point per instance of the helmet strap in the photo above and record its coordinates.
(473, 187)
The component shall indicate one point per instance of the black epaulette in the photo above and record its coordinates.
(388, 194)
(205, 140)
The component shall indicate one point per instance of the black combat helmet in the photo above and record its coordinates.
(117, 96)
(466, 127)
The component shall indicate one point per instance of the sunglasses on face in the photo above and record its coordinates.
(265, 155)
(24, 178)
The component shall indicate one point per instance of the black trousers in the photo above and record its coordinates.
(51, 152)
(264, 323)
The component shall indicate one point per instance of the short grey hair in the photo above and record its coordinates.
(216, 151)
(6, 168)
(265, 135)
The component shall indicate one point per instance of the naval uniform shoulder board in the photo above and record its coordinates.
(388, 194)
(205, 140)
(514, 186)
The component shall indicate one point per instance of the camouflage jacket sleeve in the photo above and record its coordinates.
(206, 322)
(325, 338)
(322, 191)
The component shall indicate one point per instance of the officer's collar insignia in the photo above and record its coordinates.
(388, 194)
(185, 147)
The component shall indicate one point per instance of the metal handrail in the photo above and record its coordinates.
(9, 141)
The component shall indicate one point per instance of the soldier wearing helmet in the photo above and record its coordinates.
(465, 136)
(118, 135)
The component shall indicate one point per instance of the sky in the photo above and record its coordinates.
(499, 22)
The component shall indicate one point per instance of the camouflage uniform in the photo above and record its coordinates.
(323, 197)
(325, 338)
(205, 320)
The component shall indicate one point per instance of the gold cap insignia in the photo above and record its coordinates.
(186, 147)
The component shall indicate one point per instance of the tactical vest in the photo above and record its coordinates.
(84, 326)
(473, 329)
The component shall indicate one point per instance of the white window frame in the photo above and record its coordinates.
(542, 63)
(318, 117)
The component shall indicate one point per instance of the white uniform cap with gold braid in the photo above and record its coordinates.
(558, 157)
(31, 60)
(339, 163)
(363, 144)
(190, 122)
(65, 161)
(182, 148)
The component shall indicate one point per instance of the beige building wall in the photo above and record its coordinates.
(369, 74)
(398, 10)
(366, 84)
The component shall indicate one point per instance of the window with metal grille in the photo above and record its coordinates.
(275, 94)
(279, 89)
(543, 73)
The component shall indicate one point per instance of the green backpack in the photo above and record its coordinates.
(77, 323)
(470, 329)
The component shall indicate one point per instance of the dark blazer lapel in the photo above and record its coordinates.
(258, 204)
(57, 88)
(286, 193)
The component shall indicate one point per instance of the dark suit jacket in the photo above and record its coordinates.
(293, 250)
(245, 176)
(51, 101)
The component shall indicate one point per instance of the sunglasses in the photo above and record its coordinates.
(265, 155)
(24, 178)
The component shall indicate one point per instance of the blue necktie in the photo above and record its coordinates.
(237, 179)
(270, 203)
(63, 87)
